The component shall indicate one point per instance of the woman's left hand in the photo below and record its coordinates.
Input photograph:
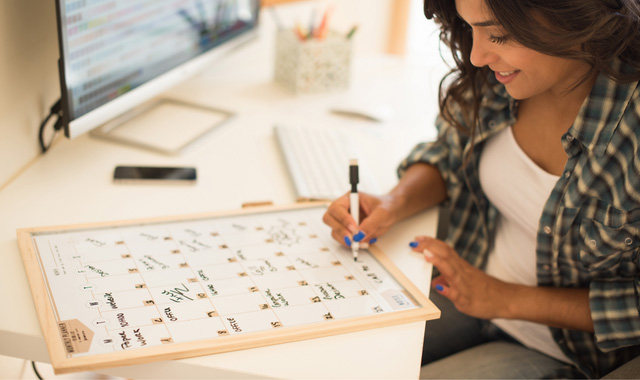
(472, 291)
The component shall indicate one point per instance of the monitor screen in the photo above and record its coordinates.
(117, 54)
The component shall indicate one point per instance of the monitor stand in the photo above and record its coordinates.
(163, 125)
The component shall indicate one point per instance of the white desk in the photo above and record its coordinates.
(239, 162)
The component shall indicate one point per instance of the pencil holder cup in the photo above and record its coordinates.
(313, 65)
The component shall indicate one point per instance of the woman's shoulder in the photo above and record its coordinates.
(620, 96)
(611, 116)
(630, 119)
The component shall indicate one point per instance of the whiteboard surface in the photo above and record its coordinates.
(131, 292)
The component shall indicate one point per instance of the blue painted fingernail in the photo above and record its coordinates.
(439, 288)
(347, 241)
(372, 241)
(359, 236)
(413, 244)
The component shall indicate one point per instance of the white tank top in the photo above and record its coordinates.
(518, 188)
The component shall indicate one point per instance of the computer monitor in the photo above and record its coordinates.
(116, 55)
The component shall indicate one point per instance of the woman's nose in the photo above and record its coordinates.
(482, 53)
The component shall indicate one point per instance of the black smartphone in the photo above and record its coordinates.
(154, 174)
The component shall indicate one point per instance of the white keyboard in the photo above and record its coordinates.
(318, 161)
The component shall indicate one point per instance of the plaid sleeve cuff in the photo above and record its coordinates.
(615, 309)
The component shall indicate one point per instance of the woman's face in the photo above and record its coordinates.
(525, 73)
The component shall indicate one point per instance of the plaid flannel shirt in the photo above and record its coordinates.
(589, 231)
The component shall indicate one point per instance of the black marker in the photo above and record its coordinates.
(354, 202)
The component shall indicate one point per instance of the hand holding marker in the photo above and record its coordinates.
(354, 205)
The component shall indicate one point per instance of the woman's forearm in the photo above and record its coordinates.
(419, 188)
(555, 307)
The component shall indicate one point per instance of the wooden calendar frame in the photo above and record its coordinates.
(62, 362)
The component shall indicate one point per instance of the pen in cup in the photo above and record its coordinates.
(321, 31)
(352, 32)
(312, 25)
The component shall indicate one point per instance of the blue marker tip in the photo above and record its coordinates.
(413, 244)
(347, 241)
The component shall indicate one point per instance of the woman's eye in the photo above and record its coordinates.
(499, 40)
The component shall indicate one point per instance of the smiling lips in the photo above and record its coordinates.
(505, 77)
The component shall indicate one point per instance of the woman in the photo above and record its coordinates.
(538, 161)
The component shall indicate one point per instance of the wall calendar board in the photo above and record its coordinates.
(122, 293)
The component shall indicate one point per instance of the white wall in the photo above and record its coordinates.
(422, 36)
(28, 79)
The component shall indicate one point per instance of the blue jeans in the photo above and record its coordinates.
(457, 346)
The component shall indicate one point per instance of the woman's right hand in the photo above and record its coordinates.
(377, 215)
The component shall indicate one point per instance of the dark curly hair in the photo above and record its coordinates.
(605, 30)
